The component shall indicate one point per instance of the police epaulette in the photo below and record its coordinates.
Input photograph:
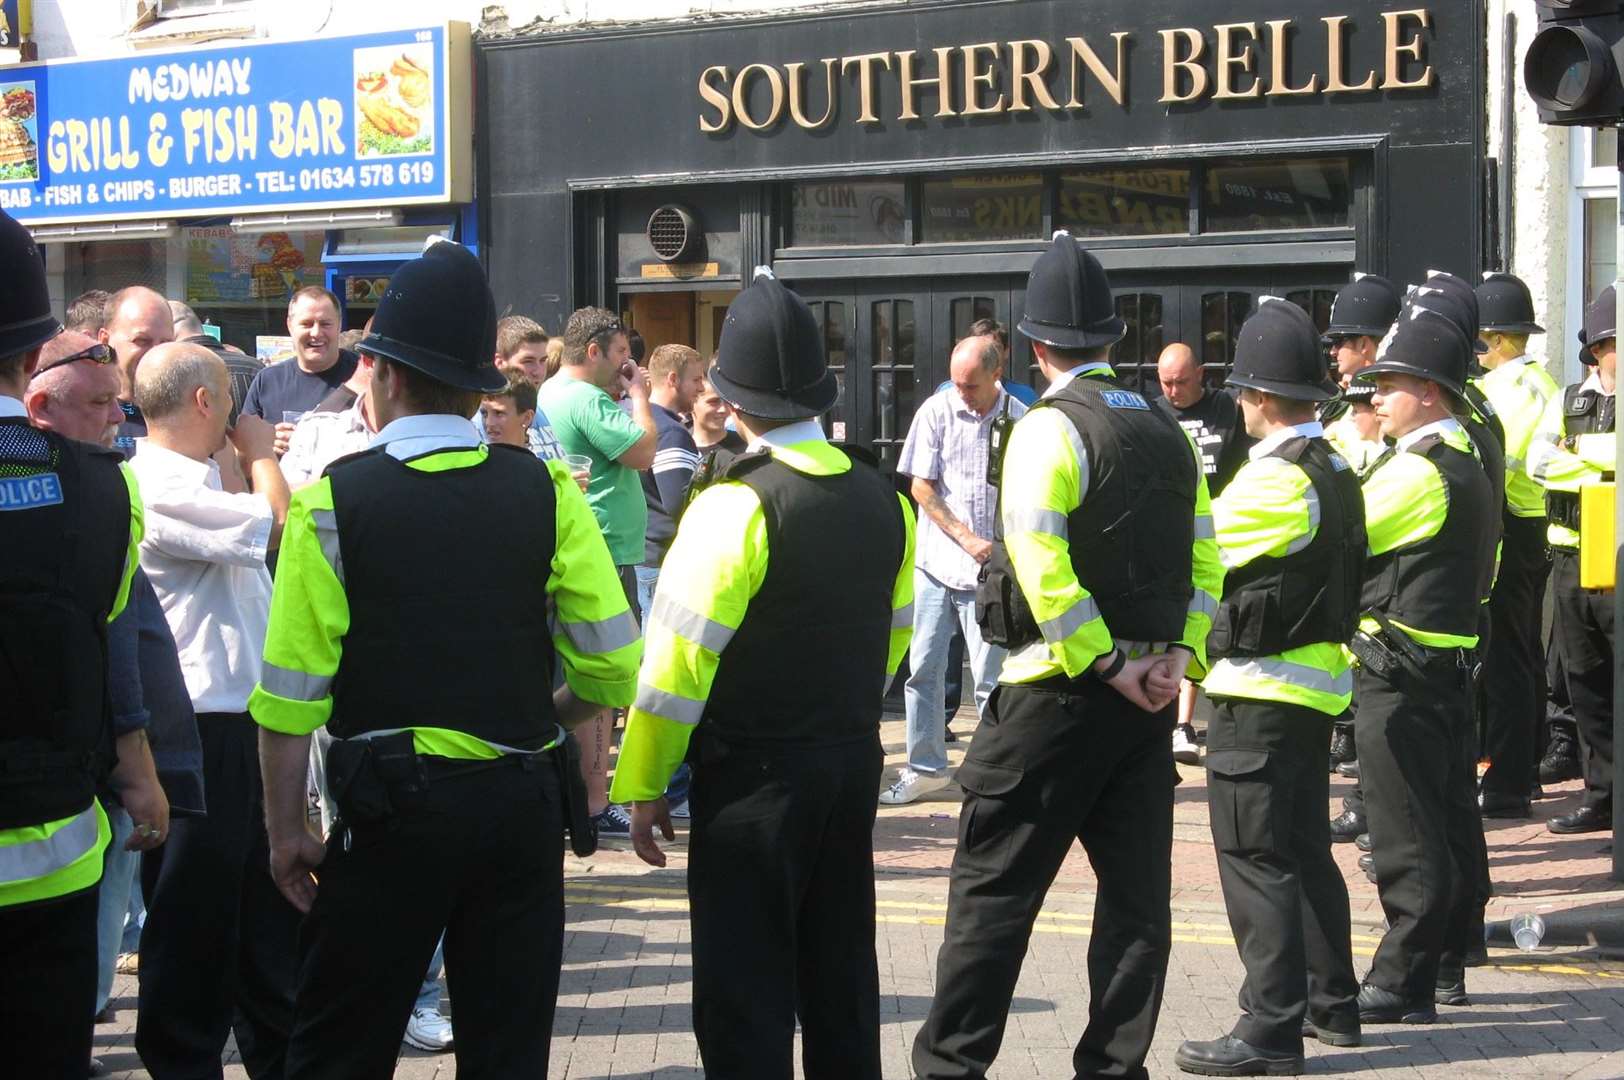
(358, 455)
(737, 465)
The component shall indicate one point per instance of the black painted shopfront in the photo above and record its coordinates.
(903, 167)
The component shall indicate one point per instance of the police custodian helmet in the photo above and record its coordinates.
(1504, 305)
(1068, 300)
(1278, 352)
(770, 362)
(1366, 308)
(25, 302)
(438, 317)
(1426, 344)
(1601, 318)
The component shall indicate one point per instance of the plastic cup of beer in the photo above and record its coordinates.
(580, 467)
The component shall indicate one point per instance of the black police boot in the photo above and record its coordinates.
(1230, 1056)
(1500, 804)
(1350, 769)
(1367, 863)
(1342, 746)
(1378, 1005)
(1561, 761)
(1584, 819)
(1451, 993)
(1362, 842)
(1331, 1036)
(1346, 826)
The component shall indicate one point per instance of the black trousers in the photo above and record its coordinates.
(48, 984)
(1584, 635)
(781, 896)
(1558, 706)
(1514, 663)
(480, 857)
(218, 948)
(1286, 899)
(1416, 745)
(1047, 769)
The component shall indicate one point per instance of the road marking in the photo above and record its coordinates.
(1049, 921)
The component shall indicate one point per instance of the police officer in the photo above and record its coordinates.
(784, 605)
(1519, 388)
(1074, 744)
(446, 763)
(1432, 525)
(67, 554)
(1291, 533)
(1573, 447)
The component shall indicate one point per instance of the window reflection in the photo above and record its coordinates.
(1124, 202)
(1222, 314)
(1134, 357)
(893, 331)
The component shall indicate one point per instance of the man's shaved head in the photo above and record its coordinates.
(1180, 375)
(138, 318)
(171, 374)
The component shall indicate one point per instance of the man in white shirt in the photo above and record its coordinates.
(946, 453)
(219, 951)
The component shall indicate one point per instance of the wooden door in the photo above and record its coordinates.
(663, 318)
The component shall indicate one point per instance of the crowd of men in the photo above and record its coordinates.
(263, 747)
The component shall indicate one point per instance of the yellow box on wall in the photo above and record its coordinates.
(1598, 551)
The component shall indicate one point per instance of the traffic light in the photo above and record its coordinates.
(1574, 65)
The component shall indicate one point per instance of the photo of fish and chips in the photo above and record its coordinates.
(394, 101)
(19, 133)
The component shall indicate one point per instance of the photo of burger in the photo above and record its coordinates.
(19, 135)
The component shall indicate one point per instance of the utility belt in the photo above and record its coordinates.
(1397, 658)
(1562, 508)
(376, 779)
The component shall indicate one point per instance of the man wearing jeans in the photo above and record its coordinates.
(946, 453)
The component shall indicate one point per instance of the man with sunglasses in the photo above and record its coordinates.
(580, 403)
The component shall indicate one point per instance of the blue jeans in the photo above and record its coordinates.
(647, 578)
(119, 869)
(428, 995)
(936, 609)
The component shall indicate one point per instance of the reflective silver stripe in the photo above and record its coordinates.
(671, 706)
(1076, 441)
(1542, 455)
(326, 522)
(1051, 522)
(35, 859)
(1059, 629)
(902, 618)
(294, 685)
(1204, 528)
(1204, 603)
(1298, 543)
(689, 625)
(603, 636)
(1294, 674)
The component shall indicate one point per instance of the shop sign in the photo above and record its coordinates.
(11, 23)
(680, 271)
(374, 120)
(225, 266)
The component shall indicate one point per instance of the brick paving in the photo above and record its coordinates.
(624, 1008)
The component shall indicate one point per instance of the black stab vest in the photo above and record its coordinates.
(807, 665)
(64, 536)
(1277, 603)
(1584, 412)
(1131, 536)
(427, 556)
(1439, 584)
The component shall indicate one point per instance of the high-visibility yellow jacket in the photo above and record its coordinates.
(1520, 390)
(1555, 466)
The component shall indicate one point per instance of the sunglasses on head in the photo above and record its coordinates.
(96, 354)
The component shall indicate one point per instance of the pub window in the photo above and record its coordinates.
(965, 311)
(1134, 357)
(892, 332)
(1150, 201)
(1305, 193)
(1222, 314)
(1316, 302)
(831, 213)
(1601, 244)
(967, 208)
(831, 316)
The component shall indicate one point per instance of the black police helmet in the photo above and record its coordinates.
(438, 317)
(1426, 344)
(1449, 304)
(1366, 308)
(1461, 289)
(1585, 356)
(1601, 318)
(770, 362)
(25, 302)
(1278, 352)
(1505, 305)
(1068, 300)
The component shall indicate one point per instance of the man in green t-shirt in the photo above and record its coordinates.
(580, 403)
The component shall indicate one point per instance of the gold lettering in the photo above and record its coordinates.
(1280, 81)
(865, 81)
(741, 96)
(942, 80)
(1412, 48)
(78, 141)
(158, 144)
(1334, 55)
(332, 125)
(975, 80)
(281, 129)
(55, 152)
(1083, 54)
(1025, 75)
(793, 71)
(1190, 65)
(1232, 55)
(715, 97)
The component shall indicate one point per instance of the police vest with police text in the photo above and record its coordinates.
(448, 567)
(64, 541)
(1276, 603)
(1132, 535)
(1438, 584)
(1584, 412)
(807, 663)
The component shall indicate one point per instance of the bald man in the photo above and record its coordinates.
(138, 319)
(1212, 417)
(219, 947)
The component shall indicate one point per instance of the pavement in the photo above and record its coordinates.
(624, 1008)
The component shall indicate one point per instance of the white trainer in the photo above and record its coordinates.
(428, 1030)
(1185, 750)
(910, 785)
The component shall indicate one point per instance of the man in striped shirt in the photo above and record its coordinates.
(676, 376)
